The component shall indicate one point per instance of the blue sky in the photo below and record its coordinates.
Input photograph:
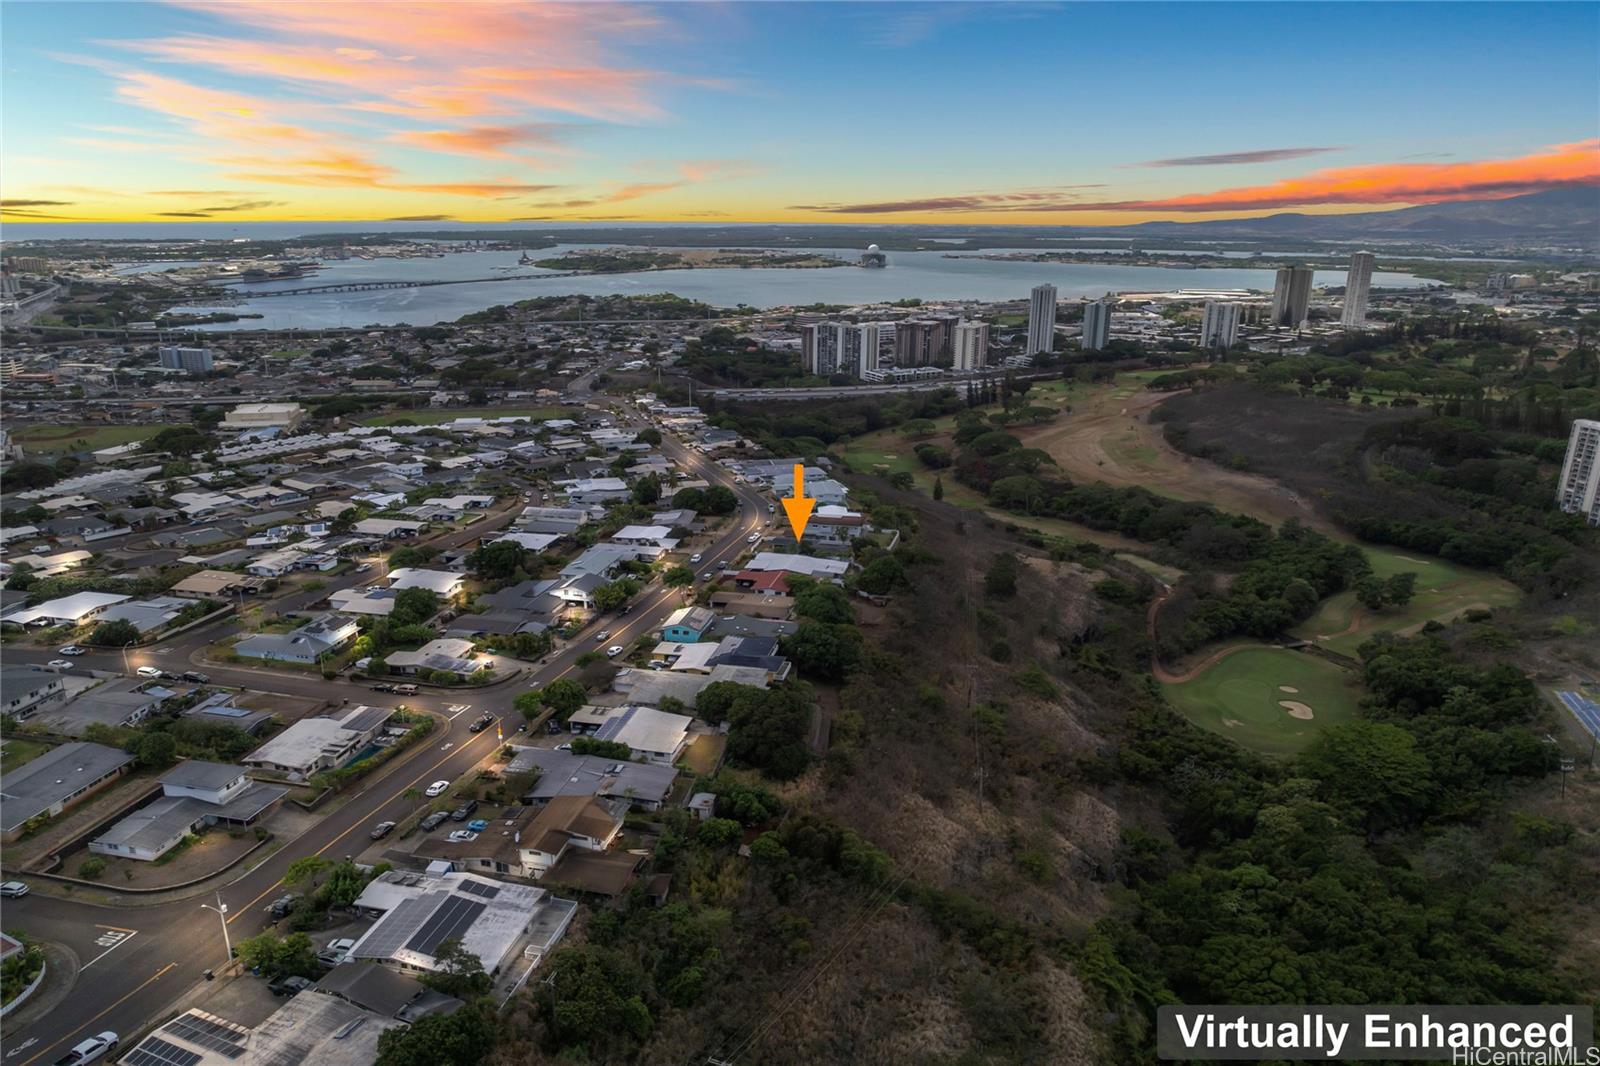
(788, 112)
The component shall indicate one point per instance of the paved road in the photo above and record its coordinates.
(139, 959)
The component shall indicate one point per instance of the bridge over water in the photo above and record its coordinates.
(368, 286)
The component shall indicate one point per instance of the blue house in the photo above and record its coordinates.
(687, 624)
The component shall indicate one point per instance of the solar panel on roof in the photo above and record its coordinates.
(154, 1051)
(612, 726)
(449, 922)
(478, 888)
(391, 934)
(217, 1035)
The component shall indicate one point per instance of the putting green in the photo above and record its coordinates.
(1260, 697)
(1444, 591)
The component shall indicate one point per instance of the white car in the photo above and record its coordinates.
(754, 538)
(613, 651)
(148, 671)
(463, 836)
(13, 889)
(602, 636)
(58, 665)
(695, 558)
(91, 1050)
(70, 649)
(437, 789)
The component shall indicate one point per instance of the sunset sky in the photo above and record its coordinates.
(883, 113)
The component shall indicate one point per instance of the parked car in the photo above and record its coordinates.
(363, 568)
(93, 1049)
(337, 951)
(772, 508)
(602, 636)
(433, 821)
(463, 812)
(463, 836)
(13, 889)
(563, 747)
(436, 789)
(383, 686)
(197, 677)
(722, 565)
(58, 665)
(381, 830)
(754, 538)
(481, 724)
(552, 726)
(614, 651)
(290, 986)
(148, 671)
(405, 690)
(696, 557)
(281, 906)
(70, 649)
(478, 825)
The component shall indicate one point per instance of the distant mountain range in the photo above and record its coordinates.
(1565, 214)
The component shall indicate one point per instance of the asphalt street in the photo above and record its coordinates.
(139, 959)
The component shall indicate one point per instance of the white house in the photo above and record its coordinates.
(314, 744)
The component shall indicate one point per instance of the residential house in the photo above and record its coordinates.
(194, 794)
(651, 734)
(499, 922)
(74, 610)
(24, 690)
(442, 583)
(50, 783)
(810, 566)
(687, 624)
(312, 745)
(645, 786)
(307, 644)
(444, 655)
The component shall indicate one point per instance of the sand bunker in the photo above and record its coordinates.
(1232, 722)
(1296, 709)
(1289, 689)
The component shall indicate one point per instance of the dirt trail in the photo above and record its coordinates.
(1109, 438)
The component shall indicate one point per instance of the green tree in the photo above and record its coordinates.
(497, 561)
(1400, 588)
(459, 972)
(938, 488)
(413, 606)
(563, 696)
(464, 1038)
(825, 651)
(647, 490)
(1001, 577)
(1371, 769)
(678, 576)
(290, 956)
(821, 601)
(720, 500)
(648, 435)
(154, 749)
(118, 633)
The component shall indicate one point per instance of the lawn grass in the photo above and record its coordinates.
(435, 415)
(17, 751)
(77, 437)
(1239, 696)
(1444, 591)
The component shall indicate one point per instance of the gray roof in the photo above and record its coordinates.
(159, 821)
(564, 774)
(385, 992)
(198, 774)
(36, 786)
(19, 680)
(320, 1029)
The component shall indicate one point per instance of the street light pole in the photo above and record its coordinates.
(221, 911)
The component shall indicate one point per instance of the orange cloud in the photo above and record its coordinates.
(1378, 184)
(491, 141)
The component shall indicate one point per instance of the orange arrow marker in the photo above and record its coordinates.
(797, 506)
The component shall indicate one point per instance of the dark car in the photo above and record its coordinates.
(383, 686)
(280, 907)
(481, 724)
(463, 812)
(289, 986)
(381, 830)
(434, 820)
(553, 726)
(197, 677)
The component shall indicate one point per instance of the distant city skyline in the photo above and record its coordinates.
(264, 111)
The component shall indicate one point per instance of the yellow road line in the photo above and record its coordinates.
(108, 1010)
